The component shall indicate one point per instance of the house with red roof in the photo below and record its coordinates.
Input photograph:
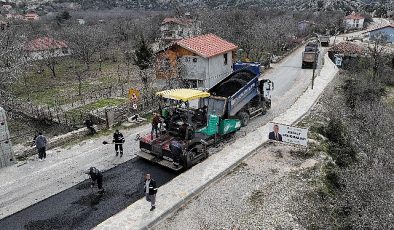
(354, 21)
(31, 17)
(201, 61)
(176, 28)
(45, 47)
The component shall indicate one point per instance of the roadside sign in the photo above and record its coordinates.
(338, 61)
(134, 94)
(288, 134)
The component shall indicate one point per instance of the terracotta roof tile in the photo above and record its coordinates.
(45, 43)
(348, 48)
(207, 46)
(354, 16)
(381, 27)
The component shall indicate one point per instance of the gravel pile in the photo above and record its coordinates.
(259, 194)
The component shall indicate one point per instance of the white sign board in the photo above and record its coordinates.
(338, 61)
(288, 134)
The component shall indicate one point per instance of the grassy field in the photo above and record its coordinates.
(40, 86)
(76, 113)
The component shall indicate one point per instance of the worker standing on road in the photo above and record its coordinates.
(96, 175)
(150, 189)
(118, 140)
(156, 120)
(41, 145)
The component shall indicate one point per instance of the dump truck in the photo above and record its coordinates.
(193, 120)
(244, 94)
(310, 55)
(324, 40)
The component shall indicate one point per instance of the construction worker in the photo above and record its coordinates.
(118, 140)
(41, 145)
(96, 175)
(150, 190)
(89, 125)
(156, 120)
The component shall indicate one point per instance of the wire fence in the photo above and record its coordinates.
(69, 115)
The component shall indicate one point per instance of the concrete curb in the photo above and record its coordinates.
(181, 189)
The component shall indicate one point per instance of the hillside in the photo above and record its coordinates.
(346, 5)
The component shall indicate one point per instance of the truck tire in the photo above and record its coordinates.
(230, 87)
(244, 118)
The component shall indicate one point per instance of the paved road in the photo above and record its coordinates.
(71, 209)
(78, 208)
(290, 81)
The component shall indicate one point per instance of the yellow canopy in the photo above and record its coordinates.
(183, 94)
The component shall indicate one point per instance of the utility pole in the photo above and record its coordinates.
(314, 68)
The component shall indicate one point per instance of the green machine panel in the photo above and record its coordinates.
(229, 126)
(212, 127)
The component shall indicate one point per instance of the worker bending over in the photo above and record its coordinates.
(96, 176)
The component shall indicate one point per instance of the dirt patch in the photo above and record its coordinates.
(258, 194)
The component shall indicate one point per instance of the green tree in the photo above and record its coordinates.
(143, 57)
(63, 16)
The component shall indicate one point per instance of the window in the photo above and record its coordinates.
(225, 59)
(65, 50)
(166, 64)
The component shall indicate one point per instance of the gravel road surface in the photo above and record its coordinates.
(258, 194)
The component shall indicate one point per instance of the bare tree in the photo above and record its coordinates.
(80, 72)
(12, 61)
(85, 42)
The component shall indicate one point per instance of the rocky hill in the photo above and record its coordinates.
(346, 5)
(293, 4)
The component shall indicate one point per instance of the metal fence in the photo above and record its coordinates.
(60, 113)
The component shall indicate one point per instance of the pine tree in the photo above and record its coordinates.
(143, 55)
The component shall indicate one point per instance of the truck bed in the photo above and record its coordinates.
(239, 88)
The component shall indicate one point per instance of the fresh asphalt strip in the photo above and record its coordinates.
(79, 208)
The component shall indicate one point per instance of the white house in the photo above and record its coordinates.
(354, 21)
(6, 7)
(176, 28)
(81, 21)
(202, 61)
(45, 47)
